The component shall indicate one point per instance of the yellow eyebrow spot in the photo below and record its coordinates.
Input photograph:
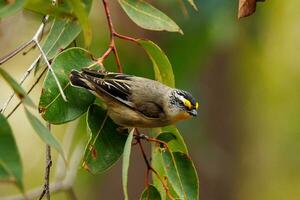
(197, 105)
(187, 104)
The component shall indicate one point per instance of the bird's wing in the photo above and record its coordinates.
(114, 85)
(117, 86)
(150, 109)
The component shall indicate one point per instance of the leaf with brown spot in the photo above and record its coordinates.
(20, 92)
(106, 144)
(54, 109)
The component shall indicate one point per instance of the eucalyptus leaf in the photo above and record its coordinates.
(157, 164)
(148, 17)
(106, 143)
(162, 67)
(125, 165)
(81, 13)
(20, 92)
(44, 133)
(177, 144)
(182, 174)
(10, 161)
(61, 34)
(150, 193)
(63, 10)
(52, 106)
(166, 137)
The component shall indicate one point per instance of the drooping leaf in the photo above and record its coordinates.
(9, 7)
(44, 133)
(166, 137)
(178, 144)
(125, 165)
(52, 106)
(147, 16)
(157, 164)
(17, 88)
(150, 193)
(161, 64)
(10, 161)
(63, 10)
(182, 174)
(175, 142)
(61, 34)
(106, 143)
(82, 15)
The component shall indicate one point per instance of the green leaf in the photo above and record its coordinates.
(162, 67)
(61, 34)
(171, 135)
(182, 174)
(44, 133)
(177, 144)
(125, 166)
(10, 161)
(9, 7)
(148, 17)
(166, 137)
(150, 193)
(106, 143)
(52, 106)
(82, 16)
(63, 10)
(17, 88)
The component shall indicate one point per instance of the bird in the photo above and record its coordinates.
(134, 101)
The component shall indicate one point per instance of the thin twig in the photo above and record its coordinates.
(149, 167)
(51, 70)
(46, 190)
(112, 45)
(15, 52)
(25, 76)
(124, 37)
(32, 87)
(59, 186)
(34, 40)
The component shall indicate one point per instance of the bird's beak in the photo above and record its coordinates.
(193, 112)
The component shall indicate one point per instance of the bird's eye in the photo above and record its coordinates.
(187, 104)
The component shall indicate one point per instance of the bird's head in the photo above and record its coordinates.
(183, 104)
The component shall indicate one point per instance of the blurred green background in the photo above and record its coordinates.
(245, 74)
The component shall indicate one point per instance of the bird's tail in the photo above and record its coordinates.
(77, 80)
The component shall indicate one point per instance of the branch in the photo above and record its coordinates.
(59, 186)
(46, 190)
(25, 76)
(32, 87)
(149, 167)
(112, 45)
(34, 40)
